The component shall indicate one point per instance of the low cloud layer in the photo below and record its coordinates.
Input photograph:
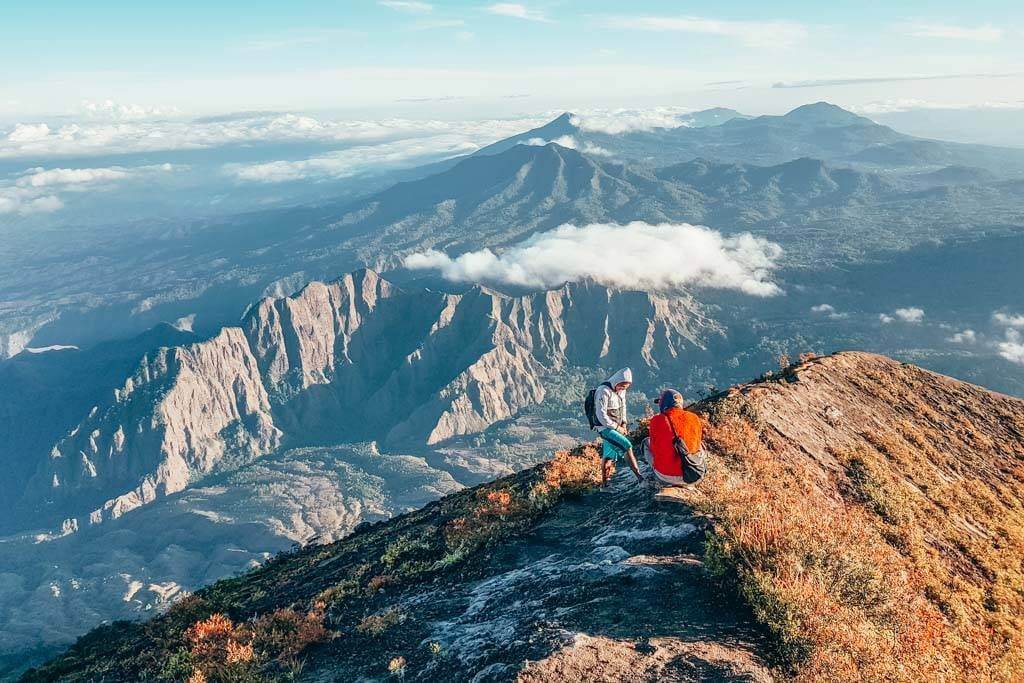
(616, 121)
(93, 134)
(572, 143)
(633, 256)
(355, 160)
(41, 190)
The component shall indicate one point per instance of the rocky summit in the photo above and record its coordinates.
(861, 520)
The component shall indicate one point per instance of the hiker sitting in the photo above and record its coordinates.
(674, 448)
(610, 414)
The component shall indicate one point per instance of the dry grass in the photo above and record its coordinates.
(283, 634)
(221, 651)
(376, 624)
(906, 566)
(500, 511)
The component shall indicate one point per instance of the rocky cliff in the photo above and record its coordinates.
(349, 360)
(860, 521)
(185, 412)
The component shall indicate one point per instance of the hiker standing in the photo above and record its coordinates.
(610, 417)
(675, 449)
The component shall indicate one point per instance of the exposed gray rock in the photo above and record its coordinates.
(184, 413)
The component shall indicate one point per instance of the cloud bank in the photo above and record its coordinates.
(40, 190)
(633, 256)
(352, 161)
(616, 121)
(90, 136)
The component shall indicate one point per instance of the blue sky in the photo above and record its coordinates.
(413, 57)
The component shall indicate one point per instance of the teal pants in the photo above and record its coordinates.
(615, 444)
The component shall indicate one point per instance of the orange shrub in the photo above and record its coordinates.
(574, 471)
(220, 650)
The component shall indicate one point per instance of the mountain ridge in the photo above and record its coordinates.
(349, 360)
(824, 444)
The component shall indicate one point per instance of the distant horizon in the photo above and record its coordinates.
(453, 58)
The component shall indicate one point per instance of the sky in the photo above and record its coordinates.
(456, 59)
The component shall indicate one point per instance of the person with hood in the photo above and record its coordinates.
(674, 448)
(610, 410)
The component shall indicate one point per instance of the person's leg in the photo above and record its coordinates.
(648, 456)
(631, 459)
(617, 440)
(615, 445)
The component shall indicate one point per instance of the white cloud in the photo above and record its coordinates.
(829, 311)
(39, 190)
(115, 111)
(18, 201)
(750, 33)
(596, 150)
(517, 10)
(616, 121)
(902, 104)
(636, 255)
(964, 337)
(407, 5)
(70, 176)
(566, 141)
(355, 160)
(94, 137)
(886, 319)
(1008, 320)
(983, 34)
(1013, 348)
(908, 315)
(24, 132)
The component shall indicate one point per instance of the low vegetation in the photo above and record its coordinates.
(903, 565)
(261, 626)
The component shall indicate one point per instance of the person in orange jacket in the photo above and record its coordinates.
(660, 449)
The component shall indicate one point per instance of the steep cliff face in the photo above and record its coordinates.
(349, 360)
(185, 412)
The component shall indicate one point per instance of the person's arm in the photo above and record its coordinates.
(625, 419)
(601, 399)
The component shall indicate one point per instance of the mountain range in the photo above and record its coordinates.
(511, 189)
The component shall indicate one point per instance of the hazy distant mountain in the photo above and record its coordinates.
(954, 175)
(498, 199)
(510, 190)
(820, 130)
